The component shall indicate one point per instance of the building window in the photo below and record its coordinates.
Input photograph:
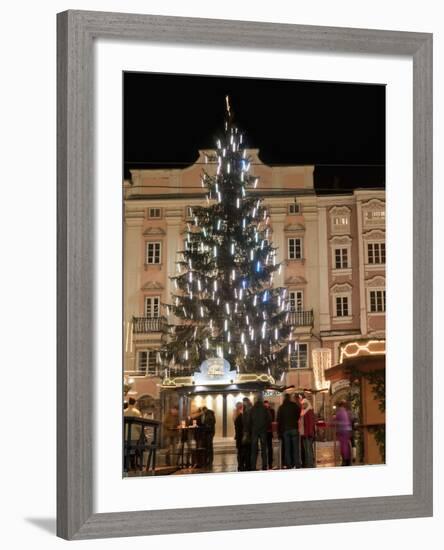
(154, 213)
(340, 221)
(153, 253)
(296, 300)
(188, 212)
(294, 208)
(299, 357)
(191, 246)
(377, 301)
(342, 306)
(147, 363)
(375, 216)
(295, 249)
(341, 258)
(376, 253)
(152, 306)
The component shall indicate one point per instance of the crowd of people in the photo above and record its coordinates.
(255, 426)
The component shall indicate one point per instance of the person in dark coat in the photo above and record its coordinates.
(270, 434)
(288, 420)
(246, 435)
(260, 422)
(208, 419)
(238, 433)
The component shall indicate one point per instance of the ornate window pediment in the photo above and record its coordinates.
(341, 288)
(154, 232)
(152, 285)
(344, 240)
(374, 235)
(373, 204)
(340, 210)
(294, 228)
(295, 280)
(375, 282)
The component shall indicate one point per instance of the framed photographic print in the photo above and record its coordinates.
(245, 303)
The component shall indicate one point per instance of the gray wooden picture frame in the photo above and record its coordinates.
(76, 32)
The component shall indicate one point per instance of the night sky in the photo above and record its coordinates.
(340, 128)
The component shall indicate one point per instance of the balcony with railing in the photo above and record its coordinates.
(300, 318)
(144, 325)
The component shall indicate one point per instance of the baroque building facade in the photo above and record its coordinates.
(332, 249)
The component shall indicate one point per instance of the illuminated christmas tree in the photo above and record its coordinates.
(225, 304)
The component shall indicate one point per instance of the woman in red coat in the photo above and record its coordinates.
(307, 432)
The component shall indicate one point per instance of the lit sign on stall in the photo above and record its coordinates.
(360, 348)
(215, 371)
